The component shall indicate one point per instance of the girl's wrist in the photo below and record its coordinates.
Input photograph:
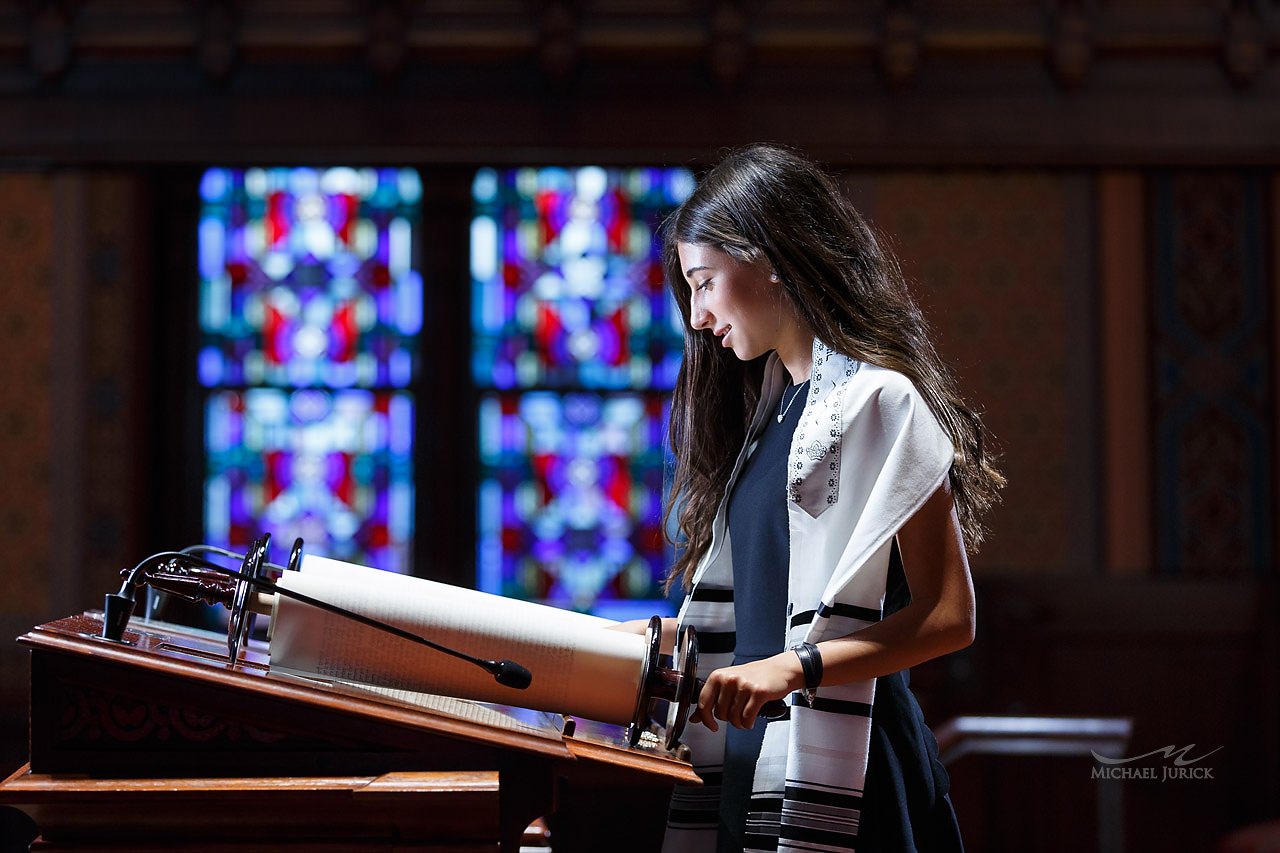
(810, 659)
(794, 670)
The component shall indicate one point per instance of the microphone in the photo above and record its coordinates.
(188, 582)
(511, 674)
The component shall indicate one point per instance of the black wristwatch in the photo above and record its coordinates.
(811, 663)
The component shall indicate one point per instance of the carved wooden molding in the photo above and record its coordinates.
(733, 37)
(558, 39)
(1071, 46)
(898, 81)
(1244, 50)
(92, 718)
(900, 46)
(49, 48)
(727, 51)
(217, 45)
(387, 51)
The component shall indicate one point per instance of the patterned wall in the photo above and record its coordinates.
(26, 412)
(1213, 362)
(1000, 261)
(26, 310)
(117, 303)
(72, 286)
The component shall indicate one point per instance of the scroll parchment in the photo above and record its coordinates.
(578, 666)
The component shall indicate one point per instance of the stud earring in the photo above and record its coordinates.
(773, 276)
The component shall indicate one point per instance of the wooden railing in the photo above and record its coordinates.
(1048, 736)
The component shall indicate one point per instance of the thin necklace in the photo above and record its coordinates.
(782, 411)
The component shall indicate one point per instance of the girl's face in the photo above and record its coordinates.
(735, 300)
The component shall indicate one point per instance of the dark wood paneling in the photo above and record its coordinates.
(898, 83)
(1189, 662)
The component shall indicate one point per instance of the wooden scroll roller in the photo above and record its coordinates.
(578, 666)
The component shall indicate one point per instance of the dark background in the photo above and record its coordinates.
(1084, 194)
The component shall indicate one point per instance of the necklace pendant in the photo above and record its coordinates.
(779, 418)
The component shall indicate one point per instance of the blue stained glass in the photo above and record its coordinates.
(570, 496)
(578, 343)
(332, 467)
(310, 307)
(307, 275)
(567, 280)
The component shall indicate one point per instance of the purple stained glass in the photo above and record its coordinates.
(333, 467)
(570, 498)
(578, 344)
(310, 308)
(308, 277)
(567, 281)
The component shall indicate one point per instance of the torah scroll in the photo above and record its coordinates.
(579, 667)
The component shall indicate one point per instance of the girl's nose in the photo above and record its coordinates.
(699, 317)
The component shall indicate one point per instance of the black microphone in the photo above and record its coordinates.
(119, 608)
(511, 674)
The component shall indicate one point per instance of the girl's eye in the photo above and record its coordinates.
(704, 285)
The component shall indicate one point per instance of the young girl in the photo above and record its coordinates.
(828, 479)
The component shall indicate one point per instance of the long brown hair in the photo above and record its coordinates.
(766, 204)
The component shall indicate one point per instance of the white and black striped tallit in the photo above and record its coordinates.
(864, 458)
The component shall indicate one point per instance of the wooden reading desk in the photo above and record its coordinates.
(160, 744)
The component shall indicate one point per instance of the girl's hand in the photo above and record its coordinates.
(735, 694)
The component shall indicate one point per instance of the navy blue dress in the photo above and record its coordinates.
(906, 806)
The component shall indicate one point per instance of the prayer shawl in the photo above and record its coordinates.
(864, 458)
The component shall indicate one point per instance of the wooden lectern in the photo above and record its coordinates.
(160, 744)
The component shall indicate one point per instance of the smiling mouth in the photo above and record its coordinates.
(724, 335)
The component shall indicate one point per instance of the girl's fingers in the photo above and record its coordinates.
(741, 704)
(735, 699)
(724, 704)
(706, 702)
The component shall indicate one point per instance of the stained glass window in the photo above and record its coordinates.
(576, 346)
(310, 306)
